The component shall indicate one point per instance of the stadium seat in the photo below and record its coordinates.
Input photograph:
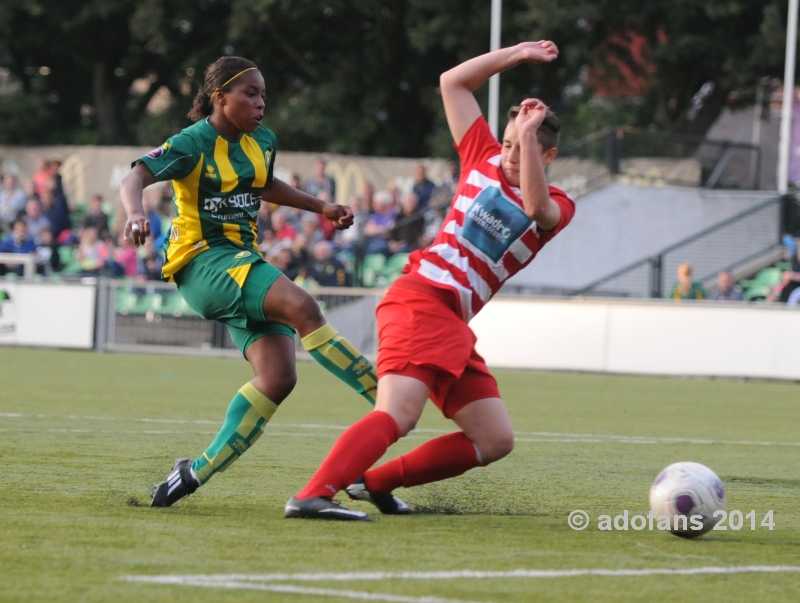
(756, 293)
(126, 302)
(67, 256)
(768, 277)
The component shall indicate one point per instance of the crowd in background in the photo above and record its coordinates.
(85, 240)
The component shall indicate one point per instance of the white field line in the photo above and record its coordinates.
(233, 584)
(466, 574)
(520, 436)
(277, 582)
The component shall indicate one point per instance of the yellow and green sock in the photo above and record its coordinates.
(343, 359)
(244, 423)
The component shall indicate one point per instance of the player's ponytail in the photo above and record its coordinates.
(218, 75)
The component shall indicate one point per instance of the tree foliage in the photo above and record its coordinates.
(362, 77)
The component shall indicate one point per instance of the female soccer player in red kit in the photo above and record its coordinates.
(502, 214)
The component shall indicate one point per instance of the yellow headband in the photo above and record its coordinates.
(235, 76)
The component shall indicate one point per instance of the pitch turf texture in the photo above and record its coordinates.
(84, 437)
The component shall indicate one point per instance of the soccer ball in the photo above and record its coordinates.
(684, 490)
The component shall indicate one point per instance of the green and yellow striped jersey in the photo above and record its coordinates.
(217, 185)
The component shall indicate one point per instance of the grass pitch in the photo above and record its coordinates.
(84, 436)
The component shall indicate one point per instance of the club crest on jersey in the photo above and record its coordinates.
(241, 255)
(210, 173)
(492, 223)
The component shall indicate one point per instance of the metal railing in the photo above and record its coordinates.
(152, 316)
(728, 245)
(644, 156)
(27, 261)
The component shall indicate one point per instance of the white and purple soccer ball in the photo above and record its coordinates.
(688, 489)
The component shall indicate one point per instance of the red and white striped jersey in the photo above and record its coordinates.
(486, 237)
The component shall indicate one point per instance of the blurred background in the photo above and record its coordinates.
(670, 111)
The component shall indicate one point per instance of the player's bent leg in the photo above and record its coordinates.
(285, 302)
(487, 437)
(400, 403)
(487, 425)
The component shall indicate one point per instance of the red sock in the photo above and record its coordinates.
(441, 458)
(356, 450)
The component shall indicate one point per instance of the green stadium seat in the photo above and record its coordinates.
(756, 293)
(374, 261)
(768, 277)
(126, 302)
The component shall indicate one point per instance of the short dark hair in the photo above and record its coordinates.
(548, 132)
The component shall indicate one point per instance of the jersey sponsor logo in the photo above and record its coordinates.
(268, 157)
(492, 223)
(361, 367)
(156, 153)
(240, 201)
(242, 254)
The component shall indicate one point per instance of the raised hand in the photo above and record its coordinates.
(543, 51)
(532, 112)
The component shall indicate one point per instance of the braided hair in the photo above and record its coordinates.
(217, 73)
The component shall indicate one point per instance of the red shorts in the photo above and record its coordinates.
(422, 336)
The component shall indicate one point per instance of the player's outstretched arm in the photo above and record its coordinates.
(459, 83)
(532, 180)
(130, 192)
(281, 193)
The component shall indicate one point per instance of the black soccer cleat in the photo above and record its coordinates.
(321, 508)
(179, 484)
(388, 504)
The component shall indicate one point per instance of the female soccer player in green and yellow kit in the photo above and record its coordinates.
(221, 169)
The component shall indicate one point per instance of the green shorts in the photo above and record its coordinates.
(227, 284)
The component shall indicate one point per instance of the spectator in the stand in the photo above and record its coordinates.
(325, 269)
(150, 201)
(727, 290)
(300, 250)
(152, 262)
(92, 253)
(270, 245)
(12, 201)
(48, 260)
(349, 239)
(790, 280)
(283, 231)
(54, 169)
(96, 218)
(366, 195)
(17, 242)
(294, 182)
(380, 223)
(320, 182)
(685, 288)
(423, 188)
(394, 193)
(328, 229)
(41, 175)
(264, 221)
(450, 181)
(125, 255)
(311, 231)
(285, 261)
(409, 227)
(34, 219)
(54, 211)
